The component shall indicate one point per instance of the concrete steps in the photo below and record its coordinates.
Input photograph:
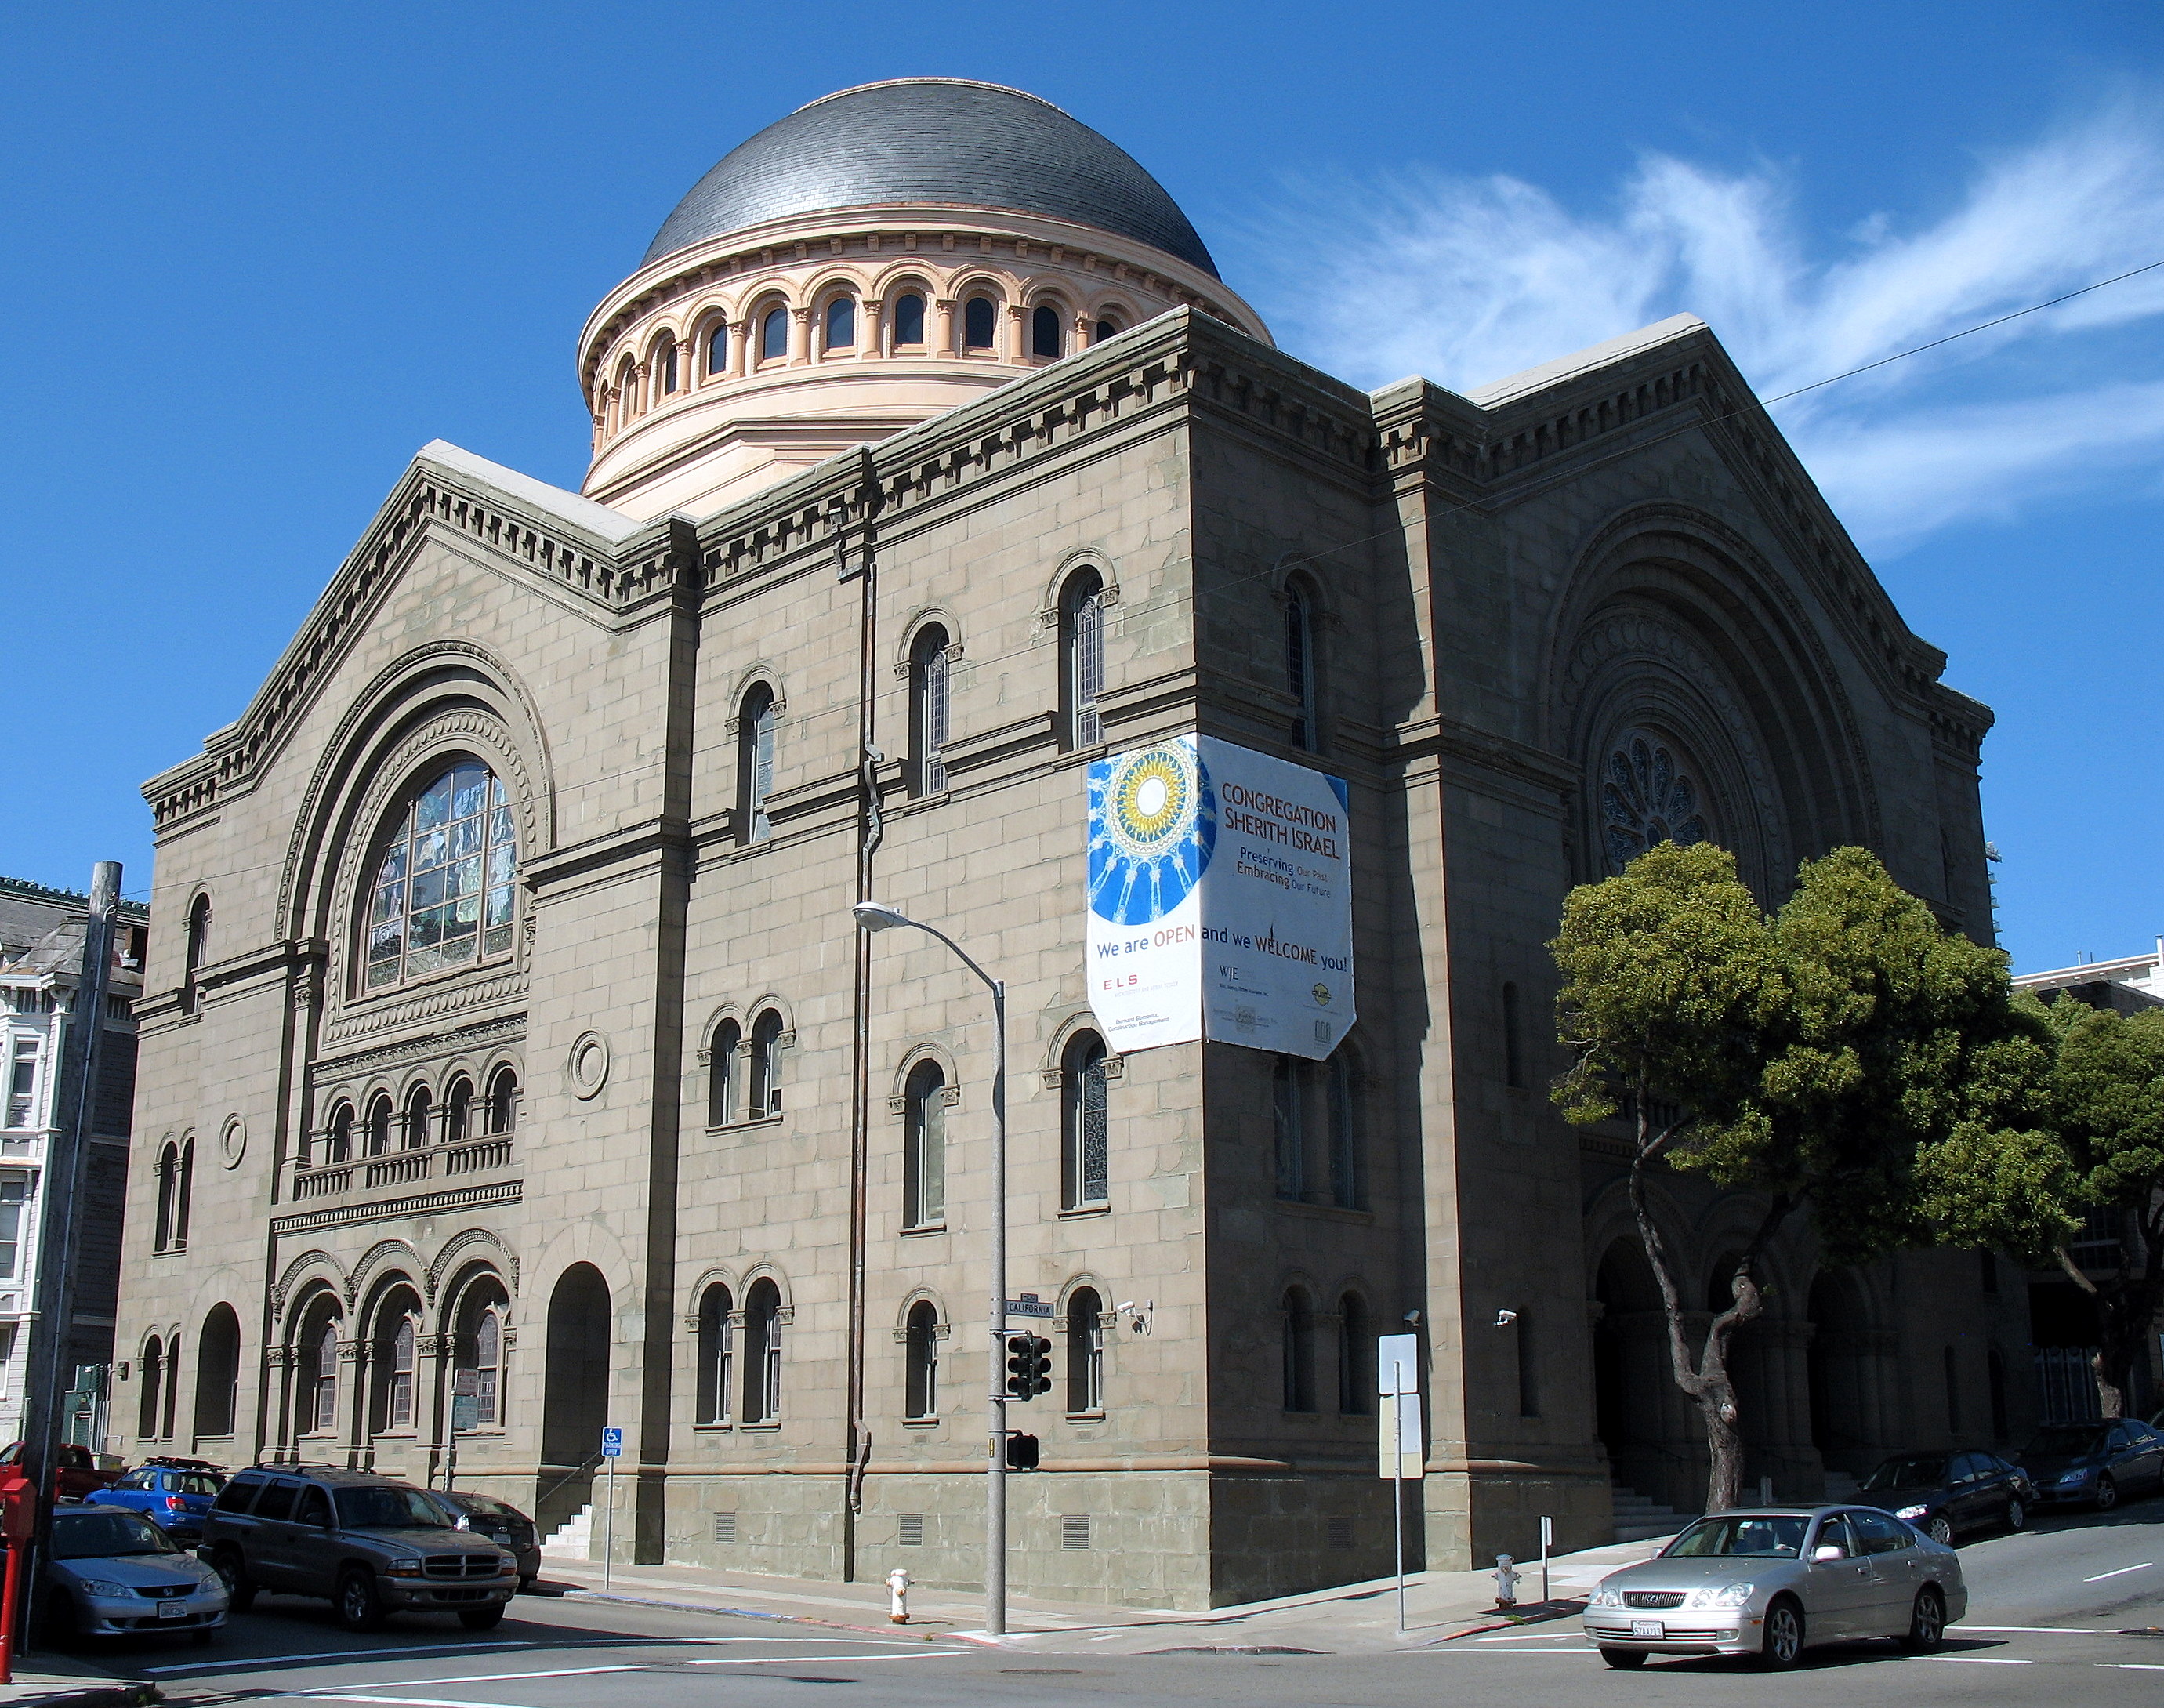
(573, 1539)
(1640, 1518)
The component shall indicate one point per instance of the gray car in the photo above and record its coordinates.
(1771, 1582)
(112, 1573)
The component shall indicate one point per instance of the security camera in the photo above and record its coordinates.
(1412, 1319)
(1125, 1305)
(1504, 1319)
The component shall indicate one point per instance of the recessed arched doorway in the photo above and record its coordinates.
(575, 1396)
(1636, 1404)
(1845, 1357)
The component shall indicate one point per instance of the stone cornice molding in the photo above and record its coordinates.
(494, 1030)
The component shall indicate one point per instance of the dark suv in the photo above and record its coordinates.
(371, 1545)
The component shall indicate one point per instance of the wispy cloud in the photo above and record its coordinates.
(1467, 279)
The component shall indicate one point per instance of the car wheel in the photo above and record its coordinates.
(1783, 1645)
(2107, 1495)
(1940, 1530)
(1927, 1622)
(482, 1618)
(1624, 1658)
(239, 1591)
(527, 1582)
(359, 1608)
(2017, 1514)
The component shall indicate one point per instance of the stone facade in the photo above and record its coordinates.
(702, 728)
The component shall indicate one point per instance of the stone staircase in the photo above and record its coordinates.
(1640, 1518)
(573, 1538)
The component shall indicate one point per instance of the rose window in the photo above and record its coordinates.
(1645, 799)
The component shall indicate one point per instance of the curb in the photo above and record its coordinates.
(742, 1613)
(128, 1695)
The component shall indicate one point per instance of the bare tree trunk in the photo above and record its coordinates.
(1706, 1380)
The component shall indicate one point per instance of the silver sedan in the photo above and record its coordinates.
(1771, 1582)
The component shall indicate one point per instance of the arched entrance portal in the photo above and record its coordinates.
(574, 1401)
(1638, 1409)
(1845, 1360)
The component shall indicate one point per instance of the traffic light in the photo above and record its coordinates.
(1022, 1452)
(1029, 1366)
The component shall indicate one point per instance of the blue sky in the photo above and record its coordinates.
(252, 257)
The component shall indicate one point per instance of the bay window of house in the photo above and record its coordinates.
(22, 1082)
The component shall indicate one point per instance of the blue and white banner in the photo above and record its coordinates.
(1220, 900)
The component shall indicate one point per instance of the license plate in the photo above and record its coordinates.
(172, 1610)
(1648, 1630)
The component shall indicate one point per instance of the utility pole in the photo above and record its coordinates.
(60, 1185)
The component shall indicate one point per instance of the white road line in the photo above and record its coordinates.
(1974, 1660)
(2035, 1630)
(342, 1654)
(2120, 1573)
(2133, 1666)
(777, 1660)
(476, 1678)
(1535, 1636)
(406, 1701)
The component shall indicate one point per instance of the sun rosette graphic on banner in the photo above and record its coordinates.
(1152, 824)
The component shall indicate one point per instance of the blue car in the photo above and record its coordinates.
(172, 1494)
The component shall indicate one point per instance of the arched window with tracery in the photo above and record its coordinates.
(763, 1082)
(762, 1373)
(841, 325)
(909, 319)
(980, 321)
(488, 1369)
(924, 1159)
(1085, 1141)
(1085, 1352)
(929, 679)
(716, 1370)
(321, 1413)
(443, 891)
(1082, 658)
(921, 1338)
(722, 1065)
(1647, 797)
(1045, 337)
(756, 731)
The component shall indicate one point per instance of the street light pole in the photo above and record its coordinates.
(876, 915)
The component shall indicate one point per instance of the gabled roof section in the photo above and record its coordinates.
(1605, 355)
(601, 561)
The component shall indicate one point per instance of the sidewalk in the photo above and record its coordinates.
(1439, 1606)
(72, 1684)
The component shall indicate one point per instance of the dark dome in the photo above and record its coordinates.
(931, 139)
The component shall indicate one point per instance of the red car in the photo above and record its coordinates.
(76, 1475)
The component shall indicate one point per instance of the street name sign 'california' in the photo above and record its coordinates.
(1221, 899)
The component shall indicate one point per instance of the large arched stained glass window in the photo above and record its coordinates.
(443, 893)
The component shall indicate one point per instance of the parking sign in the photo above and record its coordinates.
(611, 1443)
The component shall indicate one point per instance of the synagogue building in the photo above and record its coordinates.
(538, 1080)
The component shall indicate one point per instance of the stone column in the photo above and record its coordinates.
(278, 1362)
(1082, 325)
(943, 344)
(799, 337)
(1017, 334)
(353, 1380)
(434, 1352)
(871, 328)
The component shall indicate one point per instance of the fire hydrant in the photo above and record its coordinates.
(1506, 1584)
(897, 1586)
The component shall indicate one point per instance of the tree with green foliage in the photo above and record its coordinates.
(1814, 1057)
(2105, 1167)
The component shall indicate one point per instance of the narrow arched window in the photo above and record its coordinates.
(1356, 1370)
(1514, 1046)
(716, 1377)
(402, 1349)
(172, 1387)
(488, 1369)
(764, 1081)
(1085, 1144)
(443, 895)
(458, 1111)
(980, 320)
(762, 1353)
(627, 393)
(928, 710)
(339, 1138)
(909, 319)
(379, 1126)
(1044, 331)
(722, 1073)
(1085, 1352)
(718, 349)
(1298, 1352)
(1288, 1121)
(154, 1376)
(842, 323)
(755, 722)
(774, 335)
(669, 374)
(1346, 1188)
(218, 1371)
(1082, 658)
(1300, 669)
(924, 1161)
(1105, 328)
(196, 953)
(1995, 1370)
(184, 1192)
(503, 1102)
(413, 1131)
(168, 1177)
(324, 1416)
(920, 1382)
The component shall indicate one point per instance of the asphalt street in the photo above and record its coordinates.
(2075, 1604)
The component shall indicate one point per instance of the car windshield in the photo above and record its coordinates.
(89, 1535)
(393, 1508)
(2068, 1441)
(1770, 1537)
(1920, 1473)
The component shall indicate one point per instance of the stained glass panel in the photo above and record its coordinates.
(452, 861)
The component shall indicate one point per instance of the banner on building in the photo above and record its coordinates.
(1221, 899)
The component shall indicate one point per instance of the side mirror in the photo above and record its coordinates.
(1829, 1551)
